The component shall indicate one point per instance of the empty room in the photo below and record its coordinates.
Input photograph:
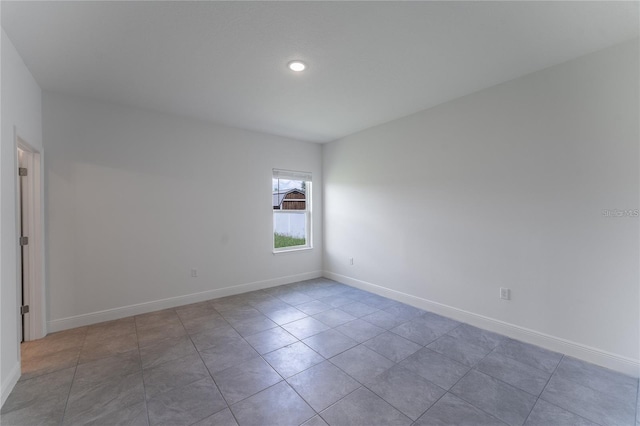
(320, 213)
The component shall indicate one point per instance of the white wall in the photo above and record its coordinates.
(504, 188)
(22, 111)
(137, 198)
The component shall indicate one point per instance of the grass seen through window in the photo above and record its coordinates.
(281, 241)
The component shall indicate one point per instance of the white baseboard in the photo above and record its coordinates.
(596, 356)
(9, 383)
(156, 305)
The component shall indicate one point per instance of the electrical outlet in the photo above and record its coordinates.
(194, 273)
(505, 293)
(351, 261)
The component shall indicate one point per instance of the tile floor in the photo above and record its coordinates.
(313, 353)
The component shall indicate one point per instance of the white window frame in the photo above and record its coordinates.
(301, 176)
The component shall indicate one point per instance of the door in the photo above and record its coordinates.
(24, 161)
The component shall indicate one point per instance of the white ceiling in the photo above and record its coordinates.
(369, 62)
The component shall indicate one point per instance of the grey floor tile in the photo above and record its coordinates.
(335, 301)
(131, 415)
(270, 340)
(171, 345)
(305, 327)
(329, 343)
(301, 286)
(358, 309)
(109, 329)
(598, 378)
(197, 325)
(315, 421)
(417, 331)
(47, 412)
(245, 379)
(323, 385)
(313, 307)
(392, 346)
(458, 350)
(200, 310)
(279, 290)
(37, 365)
(96, 373)
(382, 319)
(221, 418)
(362, 363)
(208, 338)
(522, 376)
(286, 315)
(319, 292)
(451, 410)
(260, 297)
(440, 324)
(231, 303)
(477, 337)
(166, 350)
(295, 298)
(406, 391)
(404, 312)
(593, 405)
(334, 317)
(365, 408)
(89, 403)
(293, 359)
(227, 352)
(253, 325)
(172, 374)
(360, 330)
(149, 335)
(355, 293)
(102, 386)
(165, 317)
(54, 342)
(238, 314)
(545, 414)
(186, 405)
(376, 301)
(436, 368)
(499, 399)
(94, 349)
(40, 400)
(534, 356)
(270, 305)
(277, 405)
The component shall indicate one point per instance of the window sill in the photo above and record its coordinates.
(292, 250)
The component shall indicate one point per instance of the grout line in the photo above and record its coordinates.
(66, 404)
(310, 288)
(282, 377)
(469, 402)
(207, 368)
(144, 384)
(270, 366)
(562, 408)
(470, 369)
(447, 391)
(331, 405)
(543, 389)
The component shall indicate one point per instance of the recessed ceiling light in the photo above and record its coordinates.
(297, 66)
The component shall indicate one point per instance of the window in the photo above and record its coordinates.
(291, 195)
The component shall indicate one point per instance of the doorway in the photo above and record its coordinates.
(30, 263)
(23, 240)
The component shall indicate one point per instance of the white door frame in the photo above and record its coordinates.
(34, 217)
